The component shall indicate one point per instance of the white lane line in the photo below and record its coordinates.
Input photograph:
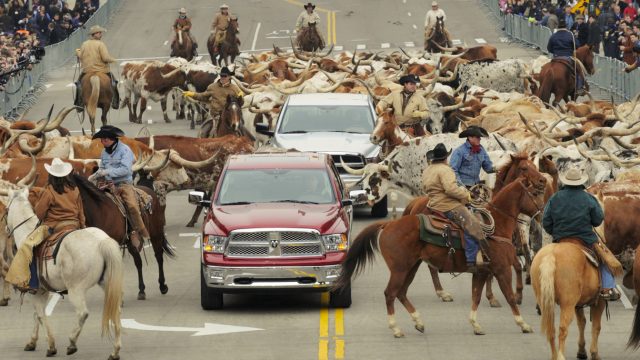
(409, 44)
(70, 85)
(338, 48)
(385, 45)
(196, 245)
(414, 26)
(199, 57)
(52, 303)
(625, 300)
(456, 42)
(165, 43)
(48, 85)
(361, 47)
(255, 36)
(481, 41)
(404, 1)
(188, 234)
(409, 13)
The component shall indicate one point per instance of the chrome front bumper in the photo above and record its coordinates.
(240, 278)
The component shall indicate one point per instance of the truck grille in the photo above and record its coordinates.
(274, 244)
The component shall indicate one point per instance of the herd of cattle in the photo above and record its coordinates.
(464, 87)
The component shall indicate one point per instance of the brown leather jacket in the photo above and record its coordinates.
(439, 183)
(94, 57)
(182, 24)
(220, 22)
(61, 212)
(216, 95)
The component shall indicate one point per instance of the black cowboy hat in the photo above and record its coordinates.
(438, 153)
(409, 78)
(225, 71)
(310, 5)
(108, 132)
(474, 131)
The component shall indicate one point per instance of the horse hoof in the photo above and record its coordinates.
(111, 357)
(167, 121)
(527, 281)
(164, 289)
(420, 328)
(582, 355)
(30, 347)
(52, 352)
(142, 296)
(538, 309)
(4, 302)
(190, 224)
(398, 335)
(526, 329)
(478, 332)
(519, 301)
(595, 356)
(495, 303)
(71, 349)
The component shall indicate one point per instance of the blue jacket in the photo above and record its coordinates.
(572, 212)
(561, 43)
(467, 165)
(118, 164)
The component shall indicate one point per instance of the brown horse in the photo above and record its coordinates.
(231, 121)
(309, 39)
(229, 47)
(399, 243)
(101, 212)
(387, 134)
(557, 77)
(435, 41)
(182, 45)
(96, 92)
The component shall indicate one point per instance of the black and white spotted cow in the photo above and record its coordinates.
(503, 76)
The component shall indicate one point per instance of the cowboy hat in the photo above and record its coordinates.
(225, 71)
(108, 132)
(310, 5)
(409, 78)
(182, 11)
(435, 3)
(574, 177)
(438, 153)
(224, 6)
(96, 29)
(58, 168)
(473, 131)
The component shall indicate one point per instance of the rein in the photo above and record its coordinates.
(529, 194)
(11, 231)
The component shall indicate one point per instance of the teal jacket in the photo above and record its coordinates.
(572, 212)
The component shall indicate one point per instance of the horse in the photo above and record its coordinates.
(387, 134)
(182, 45)
(634, 338)
(86, 257)
(229, 47)
(557, 76)
(100, 211)
(309, 38)
(96, 92)
(399, 243)
(438, 38)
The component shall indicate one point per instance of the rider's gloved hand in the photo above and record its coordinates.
(188, 94)
(97, 175)
(419, 114)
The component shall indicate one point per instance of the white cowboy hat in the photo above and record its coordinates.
(58, 168)
(574, 177)
(435, 3)
(96, 29)
(182, 11)
(224, 6)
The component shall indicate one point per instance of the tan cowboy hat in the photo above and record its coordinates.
(574, 177)
(182, 11)
(96, 29)
(224, 6)
(58, 168)
(435, 3)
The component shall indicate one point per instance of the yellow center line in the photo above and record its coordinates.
(333, 16)
(323, 342)
(339, 349)
(329, 28)
(339, 315)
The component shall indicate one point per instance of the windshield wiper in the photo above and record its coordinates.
(295, 201)
(348, 132)
(295, 132)
(237, 203)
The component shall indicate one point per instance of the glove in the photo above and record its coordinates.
(98, 174)
(188, 94)
(240, 93)
(469, 198)
(419, 114)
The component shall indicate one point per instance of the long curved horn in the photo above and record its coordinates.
(456, 106)
(72, 152)
(258, 69)
(171, 73)
(246, 89)
(351, 170)
(499, 142)
(15, 133)
(255, 110)
(328, 51)
(27, 178)
(59, 119)
(297, 54)
(371, 93)
(444, 48)
(141, 163)
(175, 157)
(159, 166)
(24, 146)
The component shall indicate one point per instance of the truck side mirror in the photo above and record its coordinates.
(347, 202)
(263, 129)
(197, 198)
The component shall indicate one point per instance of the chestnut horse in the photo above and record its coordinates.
(387, 133)
(557, 77)
(309, 39)
(399, 243)
(435, 41)
(182, 45)
(229, 47)
(96, 92)
(231, 120)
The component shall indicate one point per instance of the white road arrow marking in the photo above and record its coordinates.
(52, 304)
(208, 329)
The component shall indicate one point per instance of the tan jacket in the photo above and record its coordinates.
(182, 24)
(432, 17)
(60, 211)
(94, 57)
(416, 102)
(439, 183)
(216, 95)
(305, 18)
(220, 22)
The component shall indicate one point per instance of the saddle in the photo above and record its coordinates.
(437, 229)
(569, 63)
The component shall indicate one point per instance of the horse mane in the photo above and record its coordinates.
(501, 175)
(87, 188)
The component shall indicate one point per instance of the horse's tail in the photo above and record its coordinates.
(361, 250)
(546, 86)
(166, 247)
(113, 285)
(634, 338)
(92, 104)
(547, 300)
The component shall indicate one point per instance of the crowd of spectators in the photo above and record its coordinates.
(28, 24)
(611, 26)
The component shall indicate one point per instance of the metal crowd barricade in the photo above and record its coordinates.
(18, 92)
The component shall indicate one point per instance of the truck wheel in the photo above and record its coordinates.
(379, 209)
(340, 298)
(210, 299)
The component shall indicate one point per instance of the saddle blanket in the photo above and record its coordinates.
(433, 234)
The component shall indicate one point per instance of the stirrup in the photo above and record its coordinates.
(610, 294)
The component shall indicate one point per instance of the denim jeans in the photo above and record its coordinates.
(471, 244)
(608, 282)
(33, 282)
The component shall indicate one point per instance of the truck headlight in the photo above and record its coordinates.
(214, 243)
(335, 242)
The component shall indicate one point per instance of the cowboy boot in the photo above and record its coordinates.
(135, 240)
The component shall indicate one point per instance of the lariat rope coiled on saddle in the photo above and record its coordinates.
(480, 197)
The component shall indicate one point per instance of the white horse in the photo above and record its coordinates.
(85, 258)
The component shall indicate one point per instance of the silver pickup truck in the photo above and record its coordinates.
(332, 123)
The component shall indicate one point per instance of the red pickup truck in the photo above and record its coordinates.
(276, 222)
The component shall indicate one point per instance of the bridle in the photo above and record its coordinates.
(10, 231)
(531, 196)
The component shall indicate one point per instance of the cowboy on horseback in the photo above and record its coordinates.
(432, 18)
(572, 213)
(308, 16)
(95, 58)
(562, 44)
(183, 23)
(216, 94)
(116, 173)
(409, 106)
(59, 209)
(468, 158)
(448, 197)
(219, 26)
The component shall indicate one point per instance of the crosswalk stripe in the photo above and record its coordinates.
(385, 45)
(361, 47)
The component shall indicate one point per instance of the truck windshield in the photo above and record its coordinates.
(305, 119)
(308, 186)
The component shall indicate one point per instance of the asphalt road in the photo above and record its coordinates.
(296, 326)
